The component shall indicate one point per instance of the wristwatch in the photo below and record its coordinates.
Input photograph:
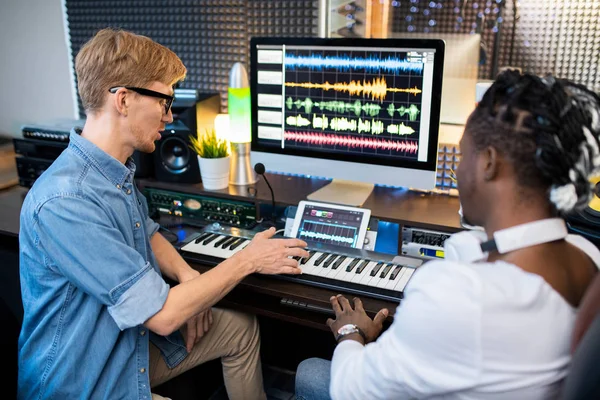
(348, 329)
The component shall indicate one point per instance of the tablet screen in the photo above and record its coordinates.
(331, 224)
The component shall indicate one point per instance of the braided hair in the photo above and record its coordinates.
(548, 128)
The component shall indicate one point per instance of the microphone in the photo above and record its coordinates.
(259, 168)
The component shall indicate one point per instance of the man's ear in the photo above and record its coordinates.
(121, 101)
(490, 159)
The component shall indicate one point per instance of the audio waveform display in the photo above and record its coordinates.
(326, 237)
(344, 62)
(322, 139)
(376, 89)
(345, 101)
(357, 107)
(374, 127)
(330, 233)
(412, 111)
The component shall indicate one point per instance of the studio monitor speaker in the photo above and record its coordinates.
(174, 161)
(193, 113)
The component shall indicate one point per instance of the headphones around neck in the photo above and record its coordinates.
(473, 246)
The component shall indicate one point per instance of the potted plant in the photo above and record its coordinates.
(213, 159)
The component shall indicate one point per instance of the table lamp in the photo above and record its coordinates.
(240, 135)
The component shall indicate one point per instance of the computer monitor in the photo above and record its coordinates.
(461, 73)
(354, 110)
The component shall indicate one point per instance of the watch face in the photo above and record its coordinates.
(346, 329)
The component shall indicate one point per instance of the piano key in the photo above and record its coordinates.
(210, 239)
(202, 237)
(310, 264)
(222, 240)
(404, 279)
(361, 270)
(228, 242)
(351, 265)
(376, 268)
(361, 267)
(337, 263)
(322, 258)
(331, 273)
(391, 283)
(386, 270)
(238, 243)
(394, 274)
(310, 254)
(328, 262)
(343, 273)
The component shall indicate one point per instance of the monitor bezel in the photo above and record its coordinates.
(436, 96)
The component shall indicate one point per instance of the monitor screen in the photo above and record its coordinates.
(363, 110)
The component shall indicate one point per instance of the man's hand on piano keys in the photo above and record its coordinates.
(273, 256)
(346, 314)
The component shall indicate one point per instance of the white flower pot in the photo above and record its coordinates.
(214, 172)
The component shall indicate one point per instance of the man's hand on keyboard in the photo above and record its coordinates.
(273, 256)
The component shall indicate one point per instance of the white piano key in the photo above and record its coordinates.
(332, 273)
(310, 264)
(404, 279)
(390, 284)
(358, 277)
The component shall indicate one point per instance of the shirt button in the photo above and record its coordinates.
(118, 186)
(128, 191)
(142, 333)
(137, 225)
(142, 370)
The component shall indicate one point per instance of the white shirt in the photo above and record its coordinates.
(466, 331)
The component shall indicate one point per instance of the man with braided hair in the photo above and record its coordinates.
(494, 319)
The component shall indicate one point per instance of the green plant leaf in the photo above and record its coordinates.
(208, 145)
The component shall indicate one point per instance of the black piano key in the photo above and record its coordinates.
(202, 237)
(221, 241)
(376, 268)
(237, 244)
(352, 264)
(321, 259)
(227, 243)
(395, 273)
(338, 262)
(310, 254)
(362, 266)
(328, 262)
(386, 270)
(210, 239)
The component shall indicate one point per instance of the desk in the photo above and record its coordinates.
(262, 294)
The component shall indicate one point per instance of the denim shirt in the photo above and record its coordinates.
(89, 280)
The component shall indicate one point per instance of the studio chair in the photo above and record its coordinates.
(583, 380)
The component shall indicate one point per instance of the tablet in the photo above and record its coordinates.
(331, 224)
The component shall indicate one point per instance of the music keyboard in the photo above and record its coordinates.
(361, 272)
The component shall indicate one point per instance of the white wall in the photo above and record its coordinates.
(35, 74)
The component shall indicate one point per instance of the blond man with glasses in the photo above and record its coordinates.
(100, 321)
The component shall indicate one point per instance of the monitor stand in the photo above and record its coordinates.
(343, 192)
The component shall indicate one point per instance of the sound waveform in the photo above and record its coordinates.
(357, 107)
(406, 146)
(318, 235)
(374, 127)
(377, 88)
(345, 63)
(412, 111)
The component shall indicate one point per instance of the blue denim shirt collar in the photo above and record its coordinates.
(110, 167)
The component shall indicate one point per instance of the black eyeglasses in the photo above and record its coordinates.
(148, 92)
